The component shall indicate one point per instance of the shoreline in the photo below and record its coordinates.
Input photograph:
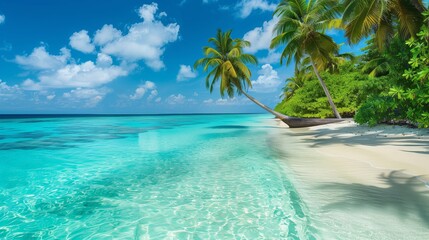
(384, 147)
(352, 176)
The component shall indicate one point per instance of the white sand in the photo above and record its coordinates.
(360, 182)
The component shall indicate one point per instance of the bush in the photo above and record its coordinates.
(348, 89)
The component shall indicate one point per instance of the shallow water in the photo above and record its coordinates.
(347, 195)
(189, 177)
(146, 177)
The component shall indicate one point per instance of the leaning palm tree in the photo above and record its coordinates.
(382, 17)
(301, 28)
(225, 63)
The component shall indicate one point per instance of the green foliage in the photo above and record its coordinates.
(376, 110)
(407, 96)
(383, 18)
(392, 60)
(302, 29)
(226, 62)
(414, 93)
(349, 89)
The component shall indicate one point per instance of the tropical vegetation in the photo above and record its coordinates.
(225, 62)
(301, 28)
(388, 83)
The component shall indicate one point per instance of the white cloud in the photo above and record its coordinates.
(246, 7)
(89, 97)
(158, 100)
(185, 73)
(106, 34)
(175, 99)
(82, 42)
(209, 1)
(272, 57)
(227, 101)
(152, 95)
(39, 59)
(208, 101)
(104, 60)
(50, 97)
(144, 41)
(85, 75)
(147, 12)
(260, 37)
(30, 84)
(2, 19)
(8, 92)
(142, 89)
(268, 80)
(196, 94)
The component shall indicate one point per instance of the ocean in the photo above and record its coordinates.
(145, 177)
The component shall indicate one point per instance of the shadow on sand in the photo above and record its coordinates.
(351, 135)
(403, 194)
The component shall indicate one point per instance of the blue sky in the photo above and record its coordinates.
(128, 56)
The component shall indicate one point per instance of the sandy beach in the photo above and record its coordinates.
(355, 177)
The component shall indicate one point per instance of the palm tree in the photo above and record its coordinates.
(391, 60)
(225, 62)
(301, 27)
(363, 17)
(304, 68)
(296, 81)
(333, 66)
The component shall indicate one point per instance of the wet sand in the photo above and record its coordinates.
(360, 182)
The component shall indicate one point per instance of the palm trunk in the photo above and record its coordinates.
(325, 89)
(277, 114)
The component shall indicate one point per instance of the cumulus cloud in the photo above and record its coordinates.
(87, 96)
(50, 97)
(152, 95)
(260, 37)
(106, 34)
(272, 57)
(268, 80)
(142, 89)
(185, 73)
(175, 99)
(147, 12)
(85, 75)
(40, 59)
(2, 18)
(208, 101)
(246, 7)
(104, 60)
(145, 40)
(227, 101)
(82, 42)
(8, 92)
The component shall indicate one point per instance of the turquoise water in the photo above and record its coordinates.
(145, 177)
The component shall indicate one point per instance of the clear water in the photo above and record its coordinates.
(145, 177)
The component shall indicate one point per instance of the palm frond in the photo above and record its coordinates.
(225, 63)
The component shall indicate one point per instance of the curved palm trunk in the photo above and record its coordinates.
(325, 89)
(277, 114)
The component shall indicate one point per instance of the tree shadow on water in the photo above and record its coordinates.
(404, 194)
